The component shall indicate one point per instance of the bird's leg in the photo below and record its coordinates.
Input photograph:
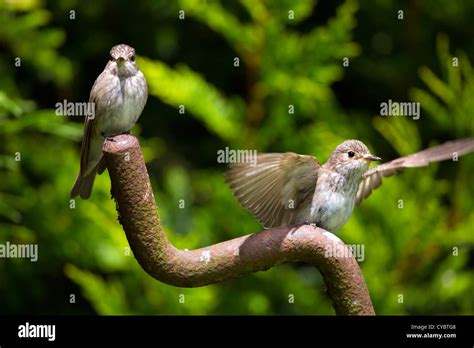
(110, 138)
(312, 224)
(107, 138)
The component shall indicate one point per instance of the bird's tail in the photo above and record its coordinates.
(83, 185)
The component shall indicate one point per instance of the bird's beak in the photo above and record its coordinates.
(370, 158)
(120, 60)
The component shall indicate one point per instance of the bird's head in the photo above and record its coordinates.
(122, 57)
(351, 157)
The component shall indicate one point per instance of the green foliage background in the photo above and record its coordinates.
(83, 252)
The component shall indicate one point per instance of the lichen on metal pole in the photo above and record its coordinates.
(234, 258)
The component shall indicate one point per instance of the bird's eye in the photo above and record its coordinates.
(350, 154)
(132, 58)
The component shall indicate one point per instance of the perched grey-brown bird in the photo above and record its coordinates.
(117, 99)
(291, 189)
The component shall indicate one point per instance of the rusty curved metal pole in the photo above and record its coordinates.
(230, 259)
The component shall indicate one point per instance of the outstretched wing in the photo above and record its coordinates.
(275, 186)
(373, 177)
